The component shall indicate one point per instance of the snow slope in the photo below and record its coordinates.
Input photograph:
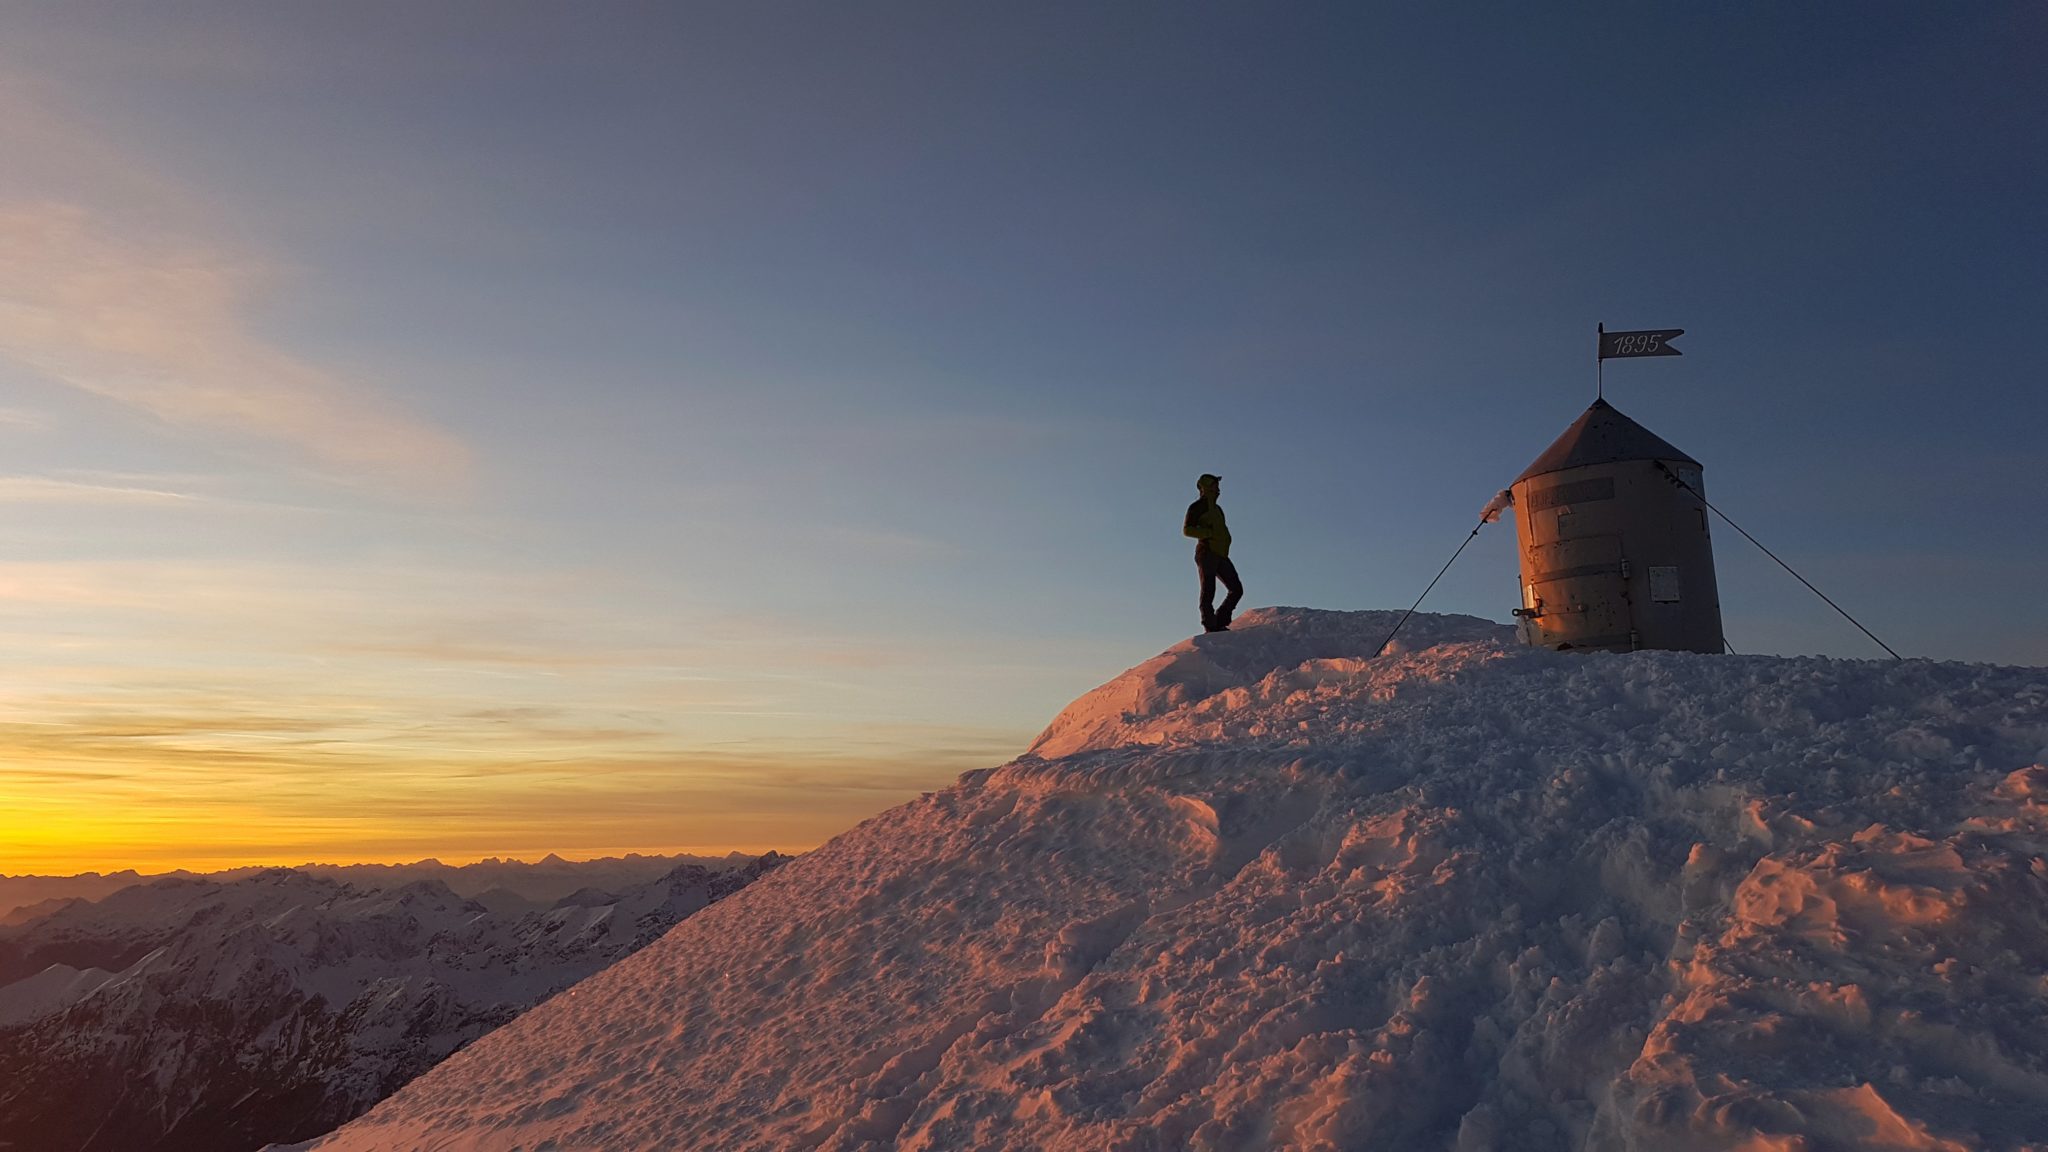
(1265, 892)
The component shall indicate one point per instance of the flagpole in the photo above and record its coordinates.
(1600, 337)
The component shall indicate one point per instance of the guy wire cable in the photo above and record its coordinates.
(1425, 592)
(1675, 479)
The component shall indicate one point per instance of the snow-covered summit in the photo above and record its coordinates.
(1216, 674)
(1268, 892)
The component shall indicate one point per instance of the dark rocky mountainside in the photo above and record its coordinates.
(193, 1015)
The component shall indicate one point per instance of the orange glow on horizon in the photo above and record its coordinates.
(159, 795)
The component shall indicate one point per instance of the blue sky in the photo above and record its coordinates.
(489, 428)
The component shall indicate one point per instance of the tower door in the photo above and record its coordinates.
(1578, 596)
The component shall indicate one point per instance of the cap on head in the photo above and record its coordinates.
(1207, 482)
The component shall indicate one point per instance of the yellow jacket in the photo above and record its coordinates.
(1205, 524)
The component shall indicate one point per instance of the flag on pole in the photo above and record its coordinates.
(1654, 342)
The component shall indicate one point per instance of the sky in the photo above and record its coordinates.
(470, 429)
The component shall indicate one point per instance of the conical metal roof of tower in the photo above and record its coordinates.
(1602, 436)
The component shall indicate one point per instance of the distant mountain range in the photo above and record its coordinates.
(540, 881)
(221, 1013)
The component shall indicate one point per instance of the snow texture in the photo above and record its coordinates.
(1265, 892)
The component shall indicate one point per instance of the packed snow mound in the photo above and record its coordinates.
(1465, 896)
(1268, 651)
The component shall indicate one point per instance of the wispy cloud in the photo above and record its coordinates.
(163, 325)
(111, 281)
(53, 490)
(393, 616)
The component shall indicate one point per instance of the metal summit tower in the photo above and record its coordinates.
(1615, 551)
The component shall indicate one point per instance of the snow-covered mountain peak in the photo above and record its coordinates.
(1266, 892)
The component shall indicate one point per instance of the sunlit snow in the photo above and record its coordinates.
(1265, 891)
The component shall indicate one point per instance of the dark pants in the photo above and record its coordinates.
(1214, 568)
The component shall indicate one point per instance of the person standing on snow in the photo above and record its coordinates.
(1212, 554)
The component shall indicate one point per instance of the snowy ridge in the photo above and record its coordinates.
(1265, 892)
